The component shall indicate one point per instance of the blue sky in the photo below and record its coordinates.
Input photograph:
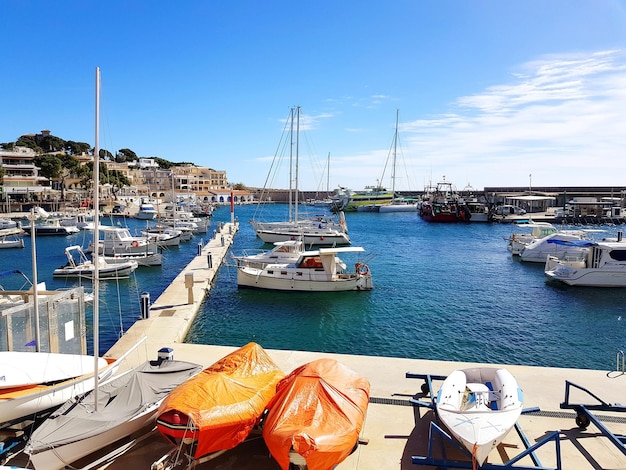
(489, 92)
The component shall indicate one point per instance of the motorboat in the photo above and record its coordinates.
(479, 406)
(10, 238)
(602, 264)
(217, 409)
(8, 223)
(50, 227)
(318, 270)
(142, 259)
(79, 266)
(117, 240)
(283, 252)
(518, 241)
(316, 416)
(538, 250)
(125, 404)
(146, 212)
(162, 236)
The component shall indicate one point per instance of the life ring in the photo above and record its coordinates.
(135, 244)
(362, 269)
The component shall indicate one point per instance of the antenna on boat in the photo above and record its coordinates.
(96, 239)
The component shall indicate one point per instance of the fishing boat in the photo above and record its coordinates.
(601, 264)
(316, 416)
(127, 403)
(10, 238)
(283, 252)
(216, 410)
(444, 204)
(314, 271)
(79, 266)
(315, 230)
(479, 406)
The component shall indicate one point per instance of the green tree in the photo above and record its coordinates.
(28, 141)
(77, 148)
(50, 166)
(126, 155)
(51, 143)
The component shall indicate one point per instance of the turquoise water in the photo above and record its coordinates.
(445, 292)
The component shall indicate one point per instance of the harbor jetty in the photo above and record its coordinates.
(398, 432)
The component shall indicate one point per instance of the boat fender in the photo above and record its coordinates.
(135, 244)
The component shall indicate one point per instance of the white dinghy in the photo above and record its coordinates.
(479, 406)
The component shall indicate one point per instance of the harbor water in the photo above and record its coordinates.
(441, 291)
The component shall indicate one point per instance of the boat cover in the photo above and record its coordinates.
(226, 400)
(318, 410)
(119, 400)
(578, 243)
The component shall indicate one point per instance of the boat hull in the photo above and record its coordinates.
(310, 238)
(479, 407)
(302, 280)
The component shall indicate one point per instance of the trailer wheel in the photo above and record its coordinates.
(582, 421)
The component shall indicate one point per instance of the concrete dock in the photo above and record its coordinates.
(394, 429)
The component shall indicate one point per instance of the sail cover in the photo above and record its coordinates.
(319, 410)
(224, 402)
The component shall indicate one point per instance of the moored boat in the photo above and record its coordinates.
(479, 406)
(10, 238)
(602, 264)
(127, 403)
(217, 409)
(316, 416)
(314, 271)
(79, 266)
(444, 204)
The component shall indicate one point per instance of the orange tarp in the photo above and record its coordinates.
(226, 400)
(319, 410)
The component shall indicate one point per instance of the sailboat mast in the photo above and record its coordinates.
(291, 217)
(297, 159)
(395, 148)
(96, 238)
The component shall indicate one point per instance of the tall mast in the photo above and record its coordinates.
(395, 148)
(297, 158)
(96, 238)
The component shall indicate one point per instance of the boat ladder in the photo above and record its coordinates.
(444, 462)
(620, 367)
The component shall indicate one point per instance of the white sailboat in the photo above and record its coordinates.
(115, 408)
(315, 231)
(398, 203)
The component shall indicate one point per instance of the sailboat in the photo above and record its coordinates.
(315, 231)
(114, 408)
(398, 203)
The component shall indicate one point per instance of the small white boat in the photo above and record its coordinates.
(8, 223)
(538, 230)
(10, 238)
(479, 406)
(603, 264)
(163, 236)
(142, 259)
(25, 369)
(126, 404)
(146, 212)
(320, 271)
(538, 251)
(117, 240)
(79, 266)
(283, 252)
(51, 226)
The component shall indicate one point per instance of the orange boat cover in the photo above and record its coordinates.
(319, 410)
(226, 400)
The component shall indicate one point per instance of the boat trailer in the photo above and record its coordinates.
(584, 416)
(444, 462)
